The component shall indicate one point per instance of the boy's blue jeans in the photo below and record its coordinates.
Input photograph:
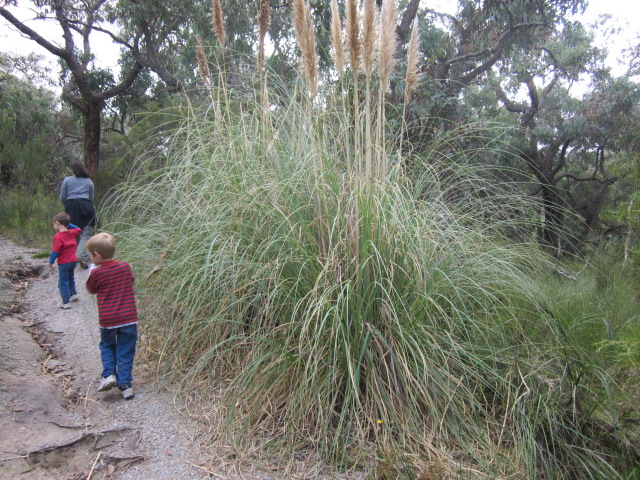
(66, 282)
(117, 349)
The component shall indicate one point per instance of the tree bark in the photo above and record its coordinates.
(92, 130)
(552, 214)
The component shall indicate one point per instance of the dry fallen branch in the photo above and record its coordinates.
(72, 427)
(94, 435)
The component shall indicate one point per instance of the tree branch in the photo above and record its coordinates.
(124, 84)
(607, 181)
(510, 105)
(407, 19)
(563, 154)
(32, 34)
(498, 46)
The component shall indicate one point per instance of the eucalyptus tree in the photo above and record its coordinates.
(86, 86)
(547, 114)
(609, 121)
(459, 50)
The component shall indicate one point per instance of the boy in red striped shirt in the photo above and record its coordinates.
(112, 282)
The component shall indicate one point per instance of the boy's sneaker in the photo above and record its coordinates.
(74, 298)
(64, 306)
(107, 383)
(127, 393)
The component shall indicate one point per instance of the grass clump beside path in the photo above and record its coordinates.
(345, 316)
(340, 307)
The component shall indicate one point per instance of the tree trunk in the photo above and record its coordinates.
(552, 214)
(92, 136)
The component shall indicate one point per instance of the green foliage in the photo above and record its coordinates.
(148, 126)
(30, 147)
(26, 216)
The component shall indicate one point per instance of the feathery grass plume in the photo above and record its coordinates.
(369, 47)
(219, 30)
(305, 34)
(336, 37)
(412, 63)
(352, 27)
(411, 78)
(388, 42)
(218, 22)
(353, 35)
(369, 44)
(264, 20)
(203, 67)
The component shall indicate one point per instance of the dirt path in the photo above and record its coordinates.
(53, 422)
(54, 425)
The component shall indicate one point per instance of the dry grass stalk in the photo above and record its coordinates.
(369, 48)
(412, 63)
(306, 37)
(264, 20)
(336, 37)
(368, 36)
(353, 34)
(388, 42)
(411, 78)
(218, 22)
(203, 67)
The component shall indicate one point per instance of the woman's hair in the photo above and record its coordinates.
(103, 243)
(62, 219)
(78, 170)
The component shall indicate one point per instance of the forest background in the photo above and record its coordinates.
(399, 237)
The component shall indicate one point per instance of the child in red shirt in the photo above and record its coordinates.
(64, 251)
(112, 282)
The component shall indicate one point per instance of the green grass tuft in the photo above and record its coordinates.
(26, 217)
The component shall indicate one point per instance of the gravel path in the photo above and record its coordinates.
(161, 434)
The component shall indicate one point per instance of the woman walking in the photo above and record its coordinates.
(76, 194)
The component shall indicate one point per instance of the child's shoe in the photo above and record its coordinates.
(107, 383)
(74, 298)
(64, 306)
(127, 393)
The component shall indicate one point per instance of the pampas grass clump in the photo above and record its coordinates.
(347, 311)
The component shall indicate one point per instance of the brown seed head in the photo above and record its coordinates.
(305, 34)
(203, 67)
(218, 22)
(264, 20)
(353, 34)
(336, 37)
(412, 62)
(368, 36)
(388, 42)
